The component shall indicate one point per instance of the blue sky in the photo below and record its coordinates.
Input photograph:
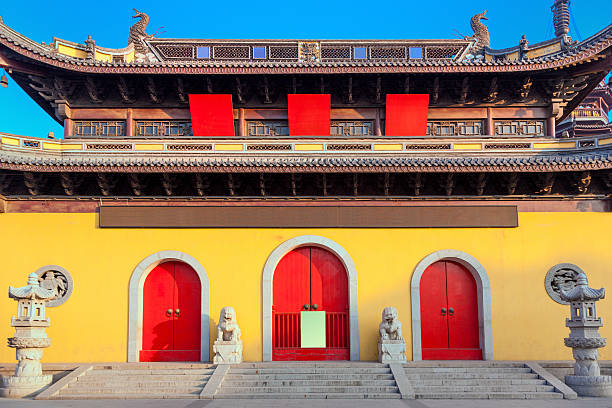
(108, 23)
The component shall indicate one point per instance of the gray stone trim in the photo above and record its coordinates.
(483, 286)
(214, 382)
(56, 302)
(401, 380)
(63, 382)
(559, 385)
(136, 286)
(268, 273)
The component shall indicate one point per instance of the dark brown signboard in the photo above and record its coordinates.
(309, 217)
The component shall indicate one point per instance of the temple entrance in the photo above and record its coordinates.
(310, 279)
(171, 314)
(449, 313)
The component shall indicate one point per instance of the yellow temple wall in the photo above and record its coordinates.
(93, 324)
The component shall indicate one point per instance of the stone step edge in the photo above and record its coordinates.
(54, 389)
(558, 385)
(309, 396)
(491, 395)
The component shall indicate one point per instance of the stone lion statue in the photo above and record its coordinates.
(227, 329)
(390, 328)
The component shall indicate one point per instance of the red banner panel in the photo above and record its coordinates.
(406, 115)
(211, 115)
(309, 114)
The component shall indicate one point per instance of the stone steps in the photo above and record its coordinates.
(343, 395)
(87, 396)
(149, 378)
(478, 381)
(491, 395)
(309, 380)
(119, 372)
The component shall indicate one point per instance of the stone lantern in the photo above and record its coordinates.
(584, 339)
(29, 340)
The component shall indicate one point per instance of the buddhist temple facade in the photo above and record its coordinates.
(281, 177)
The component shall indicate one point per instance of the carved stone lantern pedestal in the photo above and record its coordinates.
(29, 341)
(584, 339)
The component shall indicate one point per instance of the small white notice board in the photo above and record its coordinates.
(312, 329)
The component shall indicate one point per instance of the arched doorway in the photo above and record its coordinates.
(483, 299)
(136, 301)
(171, 314)
(449, 313)
(310, 283)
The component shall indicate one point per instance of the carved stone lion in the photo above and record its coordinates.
(228, 329)
(390, 328)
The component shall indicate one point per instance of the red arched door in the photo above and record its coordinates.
(310, 278)
(449, 313)
(171, 314)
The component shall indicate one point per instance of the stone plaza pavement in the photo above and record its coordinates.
(309, 403)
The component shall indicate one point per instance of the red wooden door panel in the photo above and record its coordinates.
(310, 276)
(171, 314)
(328, 281)
(187, 305)
(158, 297)
(462, 299)
(291, 285)
(452, 335)
(434, 323)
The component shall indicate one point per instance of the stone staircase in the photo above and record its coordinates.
(477, 380)
(309, 380)
(139, 381)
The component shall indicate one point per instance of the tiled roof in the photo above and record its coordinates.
(586, 160)
(573, 54)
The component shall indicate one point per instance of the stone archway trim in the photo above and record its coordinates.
(268, 273)
(483, 285)
(135, 296)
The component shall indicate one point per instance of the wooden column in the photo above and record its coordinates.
(241, 123)
(377, 127)
(129, 123)
(490, 130)
(68, 128)
(551, 126)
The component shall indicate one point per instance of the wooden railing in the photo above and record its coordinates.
(286, 330)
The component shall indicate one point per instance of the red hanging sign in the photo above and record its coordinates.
(211, 115)
(309, 114)
(406, 115)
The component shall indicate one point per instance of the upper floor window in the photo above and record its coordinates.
(267, 128)
(163, 128)
(99, 128)
(356, 128)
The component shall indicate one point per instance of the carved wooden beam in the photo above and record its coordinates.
(524, 89)
(296, 181)
(202, 183)
(95, 92)
(168, 182)
(448, 182)
(493, 91)
(582, 181)
(209, 85)
(125, 91)
(510, 183)
(480, 182)
(44, 89)
(136, 183)
(5, 181)
(183, 97)
(106, 183)
(545, 183)
(387, 184)
(152, 90)
(262, 185)
(266, 90)
(416, 182)
(407, 85)
(322, 85)
(464, 91)
(435, 91)
(239, 91)
(34, 182)
(378, 96)
(355, 184)
(349, 92)
(70, 182)
(63, 88)
(230, 184)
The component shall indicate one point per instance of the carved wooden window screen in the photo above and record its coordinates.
(351, 128)
(267, 128)
(99, 128)
(452, 128)
(163, 128)
(519, 127)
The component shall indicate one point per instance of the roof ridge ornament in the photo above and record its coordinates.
(138, 35)
(481, 35)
